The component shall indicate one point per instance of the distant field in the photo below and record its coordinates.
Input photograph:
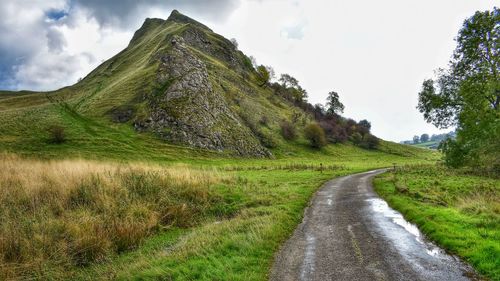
(460, 212)
(429, 144)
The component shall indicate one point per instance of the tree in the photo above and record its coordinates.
(292, 90)
(364, 127)
(265, 74)
(333, 104)
(467, 94)
(315, 134)
(424, 138)
(253, 61)
(234, 42)
(287, 81)
(416, 139)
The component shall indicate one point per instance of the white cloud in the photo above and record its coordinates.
(374, 53)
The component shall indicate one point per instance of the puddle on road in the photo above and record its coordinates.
(380, 206)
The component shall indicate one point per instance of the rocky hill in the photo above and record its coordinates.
(176, 80)
(178, 100)
(176, 84)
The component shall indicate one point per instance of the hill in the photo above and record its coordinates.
(178, 87)
(176, 80)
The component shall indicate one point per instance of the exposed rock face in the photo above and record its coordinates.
(223, 50)
(185, 109)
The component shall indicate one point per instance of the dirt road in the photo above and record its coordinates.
(349, 233)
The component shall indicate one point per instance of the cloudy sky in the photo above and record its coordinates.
(375, 54)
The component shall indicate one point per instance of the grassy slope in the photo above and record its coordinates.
(459, 211)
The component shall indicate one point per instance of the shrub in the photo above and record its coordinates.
(369, 141)
(315, 134)
(57, 134)
(264, 121)
(267, 139)
(356, 138)
(288, 130)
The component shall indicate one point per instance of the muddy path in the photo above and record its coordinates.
(349, 233)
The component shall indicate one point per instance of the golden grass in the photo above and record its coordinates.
(62, 214)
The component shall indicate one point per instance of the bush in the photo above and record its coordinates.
(264, 121)
(315, 134)
(356, 138)
(369, 141)
(288, 130)
(57, 134)
(267, 139)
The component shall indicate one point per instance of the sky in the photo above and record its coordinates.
(375, 54)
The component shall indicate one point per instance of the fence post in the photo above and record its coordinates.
(321, 167)
(394, 167)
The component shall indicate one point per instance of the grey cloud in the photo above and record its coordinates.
(48, 71)
(125, 13)
(21, 39)
(55, 40)
(30, 35)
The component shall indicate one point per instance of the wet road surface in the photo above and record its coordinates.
(349, 233)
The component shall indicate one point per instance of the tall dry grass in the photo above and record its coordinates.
(58, 215)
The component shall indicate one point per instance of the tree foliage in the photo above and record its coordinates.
(290, 89)
(264, 74)
(235, 43)
(333, 104)
(315, 134)
(467, 94)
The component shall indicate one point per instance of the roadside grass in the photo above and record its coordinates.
(459, 211)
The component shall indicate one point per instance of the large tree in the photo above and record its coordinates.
(333, 104)
(467, 94)
(424, 138)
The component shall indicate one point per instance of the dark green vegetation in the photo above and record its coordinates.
(467, 95)
(461, 212)
(457, 208)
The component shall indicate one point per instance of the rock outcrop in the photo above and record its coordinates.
(185, 109)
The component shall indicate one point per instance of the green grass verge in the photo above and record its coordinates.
(459, 212)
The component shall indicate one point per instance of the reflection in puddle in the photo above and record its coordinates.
(381, 206)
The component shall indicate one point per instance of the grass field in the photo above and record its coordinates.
(461, 212)
(429, 144)
(206, 218)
